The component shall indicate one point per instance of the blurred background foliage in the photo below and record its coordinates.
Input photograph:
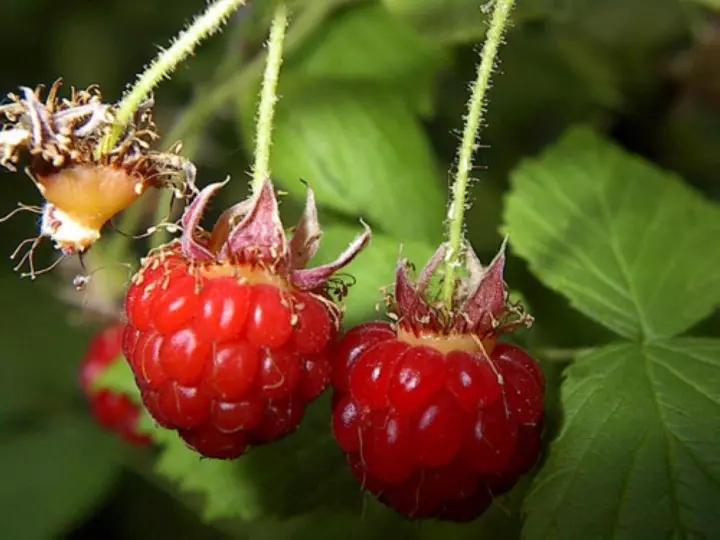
(373, 94)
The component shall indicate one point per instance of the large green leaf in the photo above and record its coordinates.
(41, 351)
(300, 473)
(637, 455)
(364, 152)
(52, 474)
(369, 44)
(348, 122)
(630, 245)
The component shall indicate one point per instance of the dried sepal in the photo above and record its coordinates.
(252, 233)
(306, 238)
(481, 305)
(84, 188)
(486, 302)
(411, 303)
(309, 279)
(194, 240)
(259, 236)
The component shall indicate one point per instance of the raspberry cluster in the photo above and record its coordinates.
(113, 410)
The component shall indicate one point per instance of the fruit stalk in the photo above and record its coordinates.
(473, 122)
(266, 112)
(268, 98)
(183, 46)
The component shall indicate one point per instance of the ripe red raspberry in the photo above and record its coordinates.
(113, 410)
(434, 416)
(227, 332)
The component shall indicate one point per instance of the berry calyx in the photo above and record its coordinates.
(114, 411)
(82, 187)
(228, 333)
(435, 417)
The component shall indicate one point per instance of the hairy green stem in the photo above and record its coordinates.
(183, 46)
(268, 98)
(223, 89)
(212, 95)
(473, 122)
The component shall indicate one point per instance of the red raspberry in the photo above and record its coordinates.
(227, 334)
(434, 416)
(113, 410)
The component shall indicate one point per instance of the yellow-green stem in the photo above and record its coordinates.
(268, 98)
(473, 122)
(218, 92)
(182, 46)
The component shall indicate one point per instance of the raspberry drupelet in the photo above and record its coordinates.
(435, 417)
(114, 411)
(228, 333)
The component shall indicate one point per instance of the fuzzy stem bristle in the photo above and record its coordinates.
(268, 98)
(473, 122)
(164, 64)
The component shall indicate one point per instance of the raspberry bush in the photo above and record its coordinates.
(373, 401)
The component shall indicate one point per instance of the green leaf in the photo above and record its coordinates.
(52, 474)
(266, 482)
(223, 494)
(630, 245)
(119, 377)
(41, 350)
(348, 123)
(637, 455)
(367, 44)
(378, 521)
(372, 271)
(364, 152)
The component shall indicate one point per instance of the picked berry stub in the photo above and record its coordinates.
(435, 417)
(114, 411)
(82, 187)
(228, 333)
